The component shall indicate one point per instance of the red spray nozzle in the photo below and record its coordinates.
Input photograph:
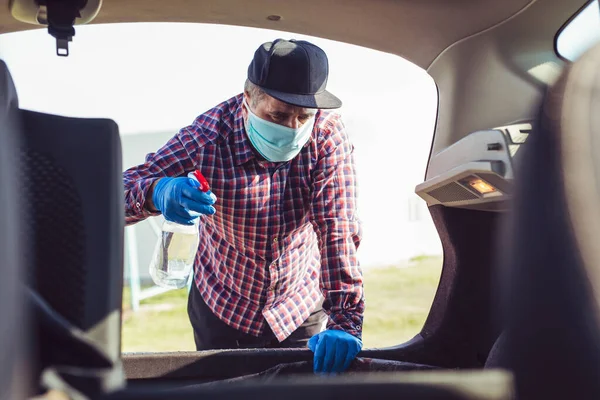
(203, 182)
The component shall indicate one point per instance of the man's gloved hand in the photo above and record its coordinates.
(334, 350)
(180, 200)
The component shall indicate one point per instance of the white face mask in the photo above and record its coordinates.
(276, 142)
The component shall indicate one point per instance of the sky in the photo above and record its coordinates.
(152, 77)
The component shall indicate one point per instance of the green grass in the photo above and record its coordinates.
(160, 324)
(398, 299)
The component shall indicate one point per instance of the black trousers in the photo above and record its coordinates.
(212, 333)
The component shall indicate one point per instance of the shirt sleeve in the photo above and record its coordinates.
(173, 159)
(339, 232)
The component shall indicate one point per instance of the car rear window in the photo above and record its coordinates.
(155, 78)
(580, 33)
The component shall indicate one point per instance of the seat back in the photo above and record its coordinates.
(552, 268)
(75, 220)
(11, 245)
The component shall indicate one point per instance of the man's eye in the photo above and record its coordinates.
(276, 117)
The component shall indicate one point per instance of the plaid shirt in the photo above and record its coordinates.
(284, 234)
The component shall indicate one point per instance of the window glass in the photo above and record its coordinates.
(580, 34)
(154, 79)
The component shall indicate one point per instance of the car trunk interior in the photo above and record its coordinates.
(480, 54)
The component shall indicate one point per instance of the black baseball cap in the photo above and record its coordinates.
(293, 71)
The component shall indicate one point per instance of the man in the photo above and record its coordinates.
(279, 232)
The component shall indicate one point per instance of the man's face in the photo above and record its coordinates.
(273, 110)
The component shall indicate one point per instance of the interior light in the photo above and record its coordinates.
(481, 186)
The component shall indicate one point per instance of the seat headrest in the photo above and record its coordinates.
(572, 109)
(552, 290)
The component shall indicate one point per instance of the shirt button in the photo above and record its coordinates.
(138, 205)
(275, 240)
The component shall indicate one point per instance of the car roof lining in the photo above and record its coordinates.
(483, 81)
(416, 30)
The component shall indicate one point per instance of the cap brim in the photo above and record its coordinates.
(324, 99)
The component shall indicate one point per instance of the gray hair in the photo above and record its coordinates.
(255, 92)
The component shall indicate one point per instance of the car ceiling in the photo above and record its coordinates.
(418, 30)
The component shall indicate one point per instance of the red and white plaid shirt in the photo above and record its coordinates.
(284, 234)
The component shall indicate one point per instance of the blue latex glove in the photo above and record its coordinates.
(334, 350)
(180, 200)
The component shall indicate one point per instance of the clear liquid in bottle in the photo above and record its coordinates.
(173, 260)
